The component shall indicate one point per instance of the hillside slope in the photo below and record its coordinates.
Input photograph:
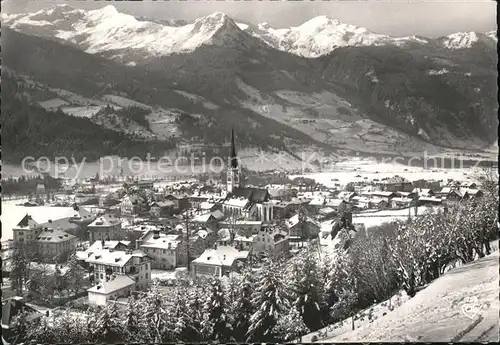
(462, 305)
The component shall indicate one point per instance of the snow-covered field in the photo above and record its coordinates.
(348, 171)
(461, 305)
(12, 214)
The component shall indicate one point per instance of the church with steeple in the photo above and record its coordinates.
(244, 202)
(233, 171)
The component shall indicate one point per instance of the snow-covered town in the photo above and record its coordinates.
(142, 240)
(249, 172)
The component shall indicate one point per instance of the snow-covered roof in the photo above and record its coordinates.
(53, 236)
(105, 220)
(237, 202)
(222, 256)
(334, 202)
(291, 222)
(203, 218)
(113, 258)
(318, 201)
(114, 284)
(163, 241)
(27, 223)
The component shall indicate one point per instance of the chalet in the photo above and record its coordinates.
(219, 262)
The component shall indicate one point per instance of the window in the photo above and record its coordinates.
(146, 276)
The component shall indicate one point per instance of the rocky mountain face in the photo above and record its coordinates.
(323, 83)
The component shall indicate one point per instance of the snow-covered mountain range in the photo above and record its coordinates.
(108, 31)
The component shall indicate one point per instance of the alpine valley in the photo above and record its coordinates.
(94, 77)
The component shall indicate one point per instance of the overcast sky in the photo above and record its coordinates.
(393, 17)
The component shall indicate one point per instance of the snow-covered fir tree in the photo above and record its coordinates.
(216, 324)
(271, 303)
(242, 307)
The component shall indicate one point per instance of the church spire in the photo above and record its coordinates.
(233, 158)
(233, 175)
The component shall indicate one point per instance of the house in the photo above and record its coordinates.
(338, 205)
(379, 203)
(26, 230)
(297, 230)
(133, 204)
(206, 220)
(118, 286)
(327, 212)
(400, 202)
(218, 262)
(317, 202)
(167, 251)
(396, 183)
(102, 245)
(12, 308)
(161, 209)
(361, 202)
(386, 196)
(429, 200)
(406, 195)
(347, 196)
(246, 242)
(423, 192)
(181, 202)
(81, 216)
(107, 265)
(105, 227)
(55, 243)
(272, 241)
(472, 193)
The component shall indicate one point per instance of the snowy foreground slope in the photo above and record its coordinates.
(462, 305)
